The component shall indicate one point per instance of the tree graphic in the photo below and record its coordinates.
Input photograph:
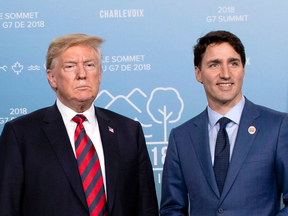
(165, 104)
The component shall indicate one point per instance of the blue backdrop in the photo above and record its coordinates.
(147, 57)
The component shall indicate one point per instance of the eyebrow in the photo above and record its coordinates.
(75, 62)
(70, 61)
(233, 59)
(218, 60)
(89, 60)
(214, 61)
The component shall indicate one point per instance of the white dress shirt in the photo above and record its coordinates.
(91, 128)
(234, 115)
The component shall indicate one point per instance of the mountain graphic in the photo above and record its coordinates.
(122, 103)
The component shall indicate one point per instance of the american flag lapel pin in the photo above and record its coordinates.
(111, 129)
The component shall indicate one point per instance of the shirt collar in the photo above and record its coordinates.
(67, 113)
(234, 114)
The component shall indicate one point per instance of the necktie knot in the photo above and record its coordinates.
(79, 119)
(223, 122)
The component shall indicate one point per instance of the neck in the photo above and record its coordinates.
(78, 107)
(222, 107)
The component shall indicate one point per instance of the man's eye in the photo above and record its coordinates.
(69, 67)
(90, 66)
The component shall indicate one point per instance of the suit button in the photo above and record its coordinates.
(220, 210)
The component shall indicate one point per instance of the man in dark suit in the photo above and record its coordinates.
(236, 165)
(41, 168)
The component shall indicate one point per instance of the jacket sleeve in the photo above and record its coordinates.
(174, 200)
(147, 200)
(11, 177)
(282, 164)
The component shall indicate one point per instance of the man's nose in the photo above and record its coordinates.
(225, 73)
(81, 72)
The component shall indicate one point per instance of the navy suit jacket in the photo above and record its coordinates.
(39, 173)
(258, 170)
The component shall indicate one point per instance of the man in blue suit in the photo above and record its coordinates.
(254, 146)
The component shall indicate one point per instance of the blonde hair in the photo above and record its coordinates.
(60, 44)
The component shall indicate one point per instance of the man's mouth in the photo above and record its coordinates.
(225, 84)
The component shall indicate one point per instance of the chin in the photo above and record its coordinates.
(85, 99)
(227, 100)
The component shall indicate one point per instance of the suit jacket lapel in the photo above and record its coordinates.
(202, 147)
(243, 144)
(57, 135)
(111, 154)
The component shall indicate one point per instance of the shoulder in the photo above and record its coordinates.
(261, 111)
(113, 116)
(199, 120)
(269, 111)
(125, 128)
(31, 117)
(29, 123)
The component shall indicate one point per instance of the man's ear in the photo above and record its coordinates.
(51, 78)
(198, 74)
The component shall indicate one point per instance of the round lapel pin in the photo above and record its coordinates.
(251, 129)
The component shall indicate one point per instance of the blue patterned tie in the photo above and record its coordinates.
(222, 154)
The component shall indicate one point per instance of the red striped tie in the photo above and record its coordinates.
(89, 169)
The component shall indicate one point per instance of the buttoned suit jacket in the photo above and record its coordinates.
(257, 174)
(39, 173)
